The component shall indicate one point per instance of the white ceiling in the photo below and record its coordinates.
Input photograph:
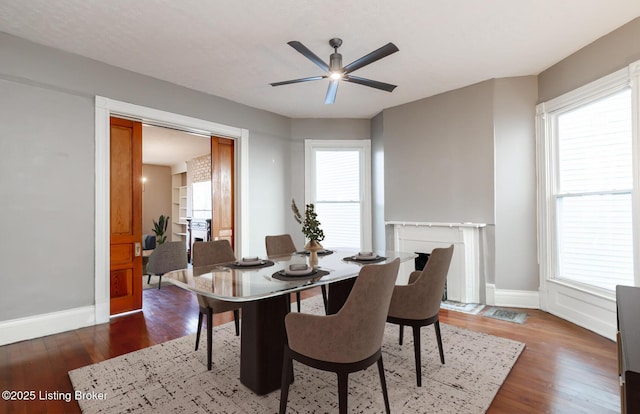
(163, 146)
(234, 49)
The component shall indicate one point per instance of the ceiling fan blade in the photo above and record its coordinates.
(311, 78)
(309, 54)
(331, 92)
(377, 54)
(371, 83)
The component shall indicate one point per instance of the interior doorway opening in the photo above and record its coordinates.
(105, 108)
(176, 168)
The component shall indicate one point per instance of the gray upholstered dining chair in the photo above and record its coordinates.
(165, 258)
(417, 304)
(205, 255)
(283, 244)
(347, 341)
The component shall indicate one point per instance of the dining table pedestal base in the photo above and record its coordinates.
(263, 337)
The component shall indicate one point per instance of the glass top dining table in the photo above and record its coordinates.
(236, 282)
(264, 299)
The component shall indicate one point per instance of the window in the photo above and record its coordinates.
(201, 200)
(338, 181)
(586, 185)
(594, 188)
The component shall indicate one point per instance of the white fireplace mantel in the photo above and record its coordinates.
(463, 280)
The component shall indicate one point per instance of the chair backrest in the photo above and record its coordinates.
(361, 321)
(280, 244)
(148, 242)
(428, 288)
(212, 253)
(166, 257)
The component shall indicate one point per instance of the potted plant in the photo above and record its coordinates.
(160, 228)
(310, 226)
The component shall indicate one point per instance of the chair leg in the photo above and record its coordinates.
(298, 299)
(383, 384)
(236, 319)
(343, 391)
(209, 336)
(324, 298)
(416, 349)
(436, 325)
(287, 375)
(401, 334)
(159, 281)
(199, 328)
(149, 279)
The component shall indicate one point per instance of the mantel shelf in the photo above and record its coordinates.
(435, 224)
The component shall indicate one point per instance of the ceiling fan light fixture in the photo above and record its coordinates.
(336, 72)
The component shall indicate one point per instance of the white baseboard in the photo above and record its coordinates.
(595, 312)
(512, 298)
(36, 326)
(490, 294)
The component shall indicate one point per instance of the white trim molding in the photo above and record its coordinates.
(589, 307)
(36, 326)
(104, 109)
(363, 146)
(463, 279)
(512, 298)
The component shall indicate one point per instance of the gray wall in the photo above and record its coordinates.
(438, 156)
(47, 161)
(515, 184)
(602, 57)
(46, 212)
(377, 182)
(469, 156)
(156, 197)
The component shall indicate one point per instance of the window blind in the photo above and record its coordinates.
(338, 196)
(593, 198)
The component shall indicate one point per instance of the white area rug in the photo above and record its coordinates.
(173, 378)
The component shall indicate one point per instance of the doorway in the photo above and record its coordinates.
(105, 108)
(173, 163)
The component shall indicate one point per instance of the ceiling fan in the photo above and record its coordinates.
(336, 72)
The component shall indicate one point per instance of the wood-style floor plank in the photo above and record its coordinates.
(563, 369)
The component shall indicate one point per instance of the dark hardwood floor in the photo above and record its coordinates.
(563, 369)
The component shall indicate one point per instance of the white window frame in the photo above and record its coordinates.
(571, 300)
(364, 148)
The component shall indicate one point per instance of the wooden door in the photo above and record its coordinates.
(222, 182)
(126, 216)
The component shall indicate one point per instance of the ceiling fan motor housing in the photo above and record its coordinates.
(335, 62)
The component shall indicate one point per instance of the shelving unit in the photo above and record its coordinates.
(179, 198)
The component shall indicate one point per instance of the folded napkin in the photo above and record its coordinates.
(366, 256)
(298, 270)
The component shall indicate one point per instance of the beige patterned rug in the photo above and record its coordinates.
(153, 283)
(172, 378)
